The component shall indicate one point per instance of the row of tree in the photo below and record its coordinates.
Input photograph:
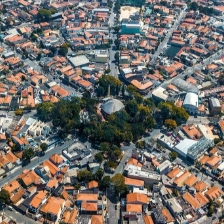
(117, 181)
(205, 10)
(113, 154)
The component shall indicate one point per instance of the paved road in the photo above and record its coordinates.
(167, 37)
(19, 218)
(35, 162)
(126, 156)
(112, 50)
(201, 120)
(113, 213)
(199, 66)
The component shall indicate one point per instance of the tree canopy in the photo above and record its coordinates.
(99, 157)
(104, 82)
(28, 154)
(170, 111)
(43, 147)
(119, 184)
(116, 56)
(206, 10)
(4, 196)
(173, 155)
(85, 176)
(98, 175)
(44, 14)
(131, 108)
(65, 115)
(170, 124)
(44, 110)
(221, 79)
(63, 50)
(105, 182)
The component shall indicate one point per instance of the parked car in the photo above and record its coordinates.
(10, 208)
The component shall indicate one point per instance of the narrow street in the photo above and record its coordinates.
(126, 156)
(113, 213)
(112, 50)
(167, 37)
(199, 66)
(19, 218)
(34, 162)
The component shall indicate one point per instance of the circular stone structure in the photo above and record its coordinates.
(112, 106)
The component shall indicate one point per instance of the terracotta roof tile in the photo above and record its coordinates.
(133, 208)
(137, 198)
(148, 219)
(134, 182)
(38, 198)
(53, 206)
(87, 197)
(174, 172)
(92, 184)
(97, 219)
(200, 186)
(191, 200)
(213, 193)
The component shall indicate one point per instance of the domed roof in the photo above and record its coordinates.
(112, 106)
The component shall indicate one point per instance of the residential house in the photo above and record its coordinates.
(164, 167)
(192, 201)
(18, 142)
(29, 178)
(43, 172)
(36, 80)
(213, 161)
(12, 158)
(161, 215)
(89, 207)
(190, 181)
(221, 125)
(86, 197)
(133, 208)
(38, 200)
(70, 216)
(53, 208)
(134, 162)
(52, 185)
(149, 178)
(131, 183)
(175, 172)
(53, 169)
(93, 184)
(59, 91)
(213, 193)
(97, 219)
(5, 163)
(93, 167)
(57, 160)
(88, 203)
(142, 87)
(148, 219)
(174, 207)
(137, 198)
(200, 186)
(179, 181)
(191, 131)
(202, 199)
(15, 190)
